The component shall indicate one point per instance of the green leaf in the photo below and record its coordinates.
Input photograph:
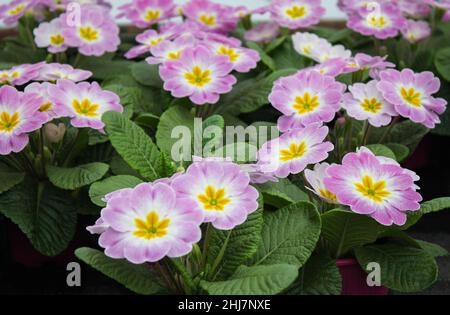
(46, 214)
(442, 62)
(286, 57)
(265, 58)
(138, 278)
(255, 280)
(275, 44)
(319, 276)
(176, 116)
(146, 74)
(289, 235)
(9, 178)
(405, 269)
(345, 230)
(281, 193)
(216, 121)
(381, 150)
(241, 243)
(432, 249)
(249, 95)
(99, 190)
(133, 144)
(408, 133)
(434, 205)
(71, 178)
(130, 97)
(401, 151)
(102, 68)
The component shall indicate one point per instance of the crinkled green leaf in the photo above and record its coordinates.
(137, 278)
(255, 280)
(75, 177)
(100, 189)
(289, 235)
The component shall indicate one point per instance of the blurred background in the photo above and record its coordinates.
(333, 12)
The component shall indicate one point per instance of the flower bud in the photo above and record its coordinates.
(54, 133)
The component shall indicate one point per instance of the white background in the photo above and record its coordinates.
(333, 12)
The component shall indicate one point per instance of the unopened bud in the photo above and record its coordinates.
(340, 121)
(54, 133)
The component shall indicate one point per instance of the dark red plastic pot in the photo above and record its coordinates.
(354, 279)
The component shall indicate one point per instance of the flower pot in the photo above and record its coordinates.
(354, 279)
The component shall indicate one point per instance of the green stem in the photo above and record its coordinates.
(206, 244)
(349, 134)
(41, 150)
(367, 130)
(77, 60)
(79, 144)
(190, 287)
(29, 34)
(220, 255)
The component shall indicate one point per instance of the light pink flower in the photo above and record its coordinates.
(169, 50)
(21, 74)
(414, 8)
(305, 98)
(332, 67)
(294, 150)
(48, 108)
(296, 14)
(147, 223)
(19, 115)
(384, 22)
(220, 190)
(374, 64)
(147, 40)
(211, 16)
(315, 178)
(415, 31)
(84, 102)
(199, 75)
(365, 102)
(144, 13)
(11, 12)
(55, 71)
(49, 34)
(411, 94)
(97, 33)
(317, 48)
(243, 59)
(263, 32)
(383, 191)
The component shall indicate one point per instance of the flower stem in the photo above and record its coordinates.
(388, 130)
(206, 244)
(189, 285)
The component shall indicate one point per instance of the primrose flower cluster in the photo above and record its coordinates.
(163, 218)
(383, 19)
(55, 93)
(368, 184)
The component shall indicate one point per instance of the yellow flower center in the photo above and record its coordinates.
(296, 12)
(45, 107)
(152, 227)
(372, 105)
(88, 33)
(307, 49)
(8, 122)
(155, 41)
(306, 103)
(198, 77)
(207, 19)
(328, 194)
(5, 77)
(293, 152)
(214, 199)
(374, 191)
(174, 55)
(56, 40)
(376, 21)
(411, 96)
(230, 52)
(17, 10)
(85, 108)
(152, 15)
